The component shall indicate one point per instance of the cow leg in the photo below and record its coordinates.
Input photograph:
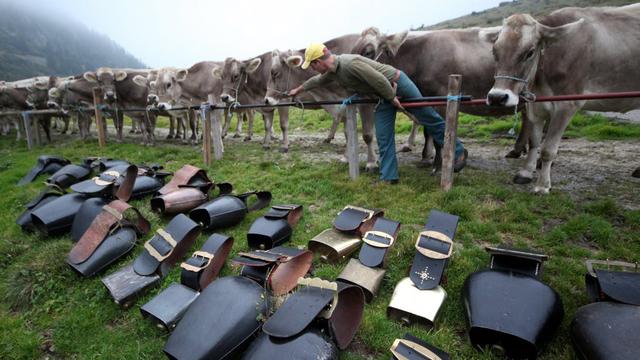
(636, 173)
(250, 115)
(537, 116)
(119, 122)
(411, 140)
(367, 116)
(334, 127)
(558, 122)
(45, 123)
(242, 117)
(268, 129)
(520, 147)
(193, 125)
(284, 126)
(227, 122)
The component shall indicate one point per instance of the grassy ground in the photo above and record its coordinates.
(49, 311)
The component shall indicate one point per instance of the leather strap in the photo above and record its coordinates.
(291, 212)
(356, 219)
(203, 266)
(43, 162)
(433, 248)
(342, 305)
(278, 268)
(377, 241)
(412, 348)
(168, 245)
(113, 216)
(120, 182)
(182, 177)
(263, 198)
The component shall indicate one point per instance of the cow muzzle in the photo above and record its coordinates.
(502, 97)
(110, 96)
(227, 98)
(152, 99)
(270, 101)
(52, 105)
(164, 106)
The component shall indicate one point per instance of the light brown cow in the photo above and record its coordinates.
(76, 96)
(570, 51)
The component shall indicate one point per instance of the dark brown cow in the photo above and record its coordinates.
(76, 96)
(570, 51)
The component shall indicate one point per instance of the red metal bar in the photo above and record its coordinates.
(616, 95)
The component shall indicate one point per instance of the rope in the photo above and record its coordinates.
(348, 100)
(455, 98)
(512, 131)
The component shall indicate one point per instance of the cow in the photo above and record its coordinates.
(173, 87)
(570, 51)
(76, 96)
(38, 96)
(245, 82)
(119, 91)
(15, 96)
(286, 73)
(429, 57)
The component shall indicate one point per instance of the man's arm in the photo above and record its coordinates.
(312, 83)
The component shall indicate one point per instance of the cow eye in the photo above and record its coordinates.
(168, 85)
(530, 54)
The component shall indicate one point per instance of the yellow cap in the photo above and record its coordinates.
(313, 52)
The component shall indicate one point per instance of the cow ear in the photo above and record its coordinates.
(140, 80)
(181, 75)
(395, 41)
(54, 92)
(120, 75)
(490, 34)
(216, 72)
(275, 53)
(253, 65)
(152, 84)
(41, 86)
(551, 34)
(90, 77)
(294, 61)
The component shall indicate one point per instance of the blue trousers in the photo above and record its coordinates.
(385, 121)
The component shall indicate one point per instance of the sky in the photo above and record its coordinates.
(181, 33)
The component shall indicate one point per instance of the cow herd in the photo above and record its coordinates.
(570, 51)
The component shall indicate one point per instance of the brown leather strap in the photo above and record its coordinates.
(181, 177)
(110, 218)
(123, 190)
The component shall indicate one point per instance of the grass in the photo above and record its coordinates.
(49, 311)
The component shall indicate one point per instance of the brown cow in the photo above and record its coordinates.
(570, 51)
(76, 96)
(428, 57)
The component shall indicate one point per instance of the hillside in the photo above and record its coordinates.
(32, 44)
(494, 16)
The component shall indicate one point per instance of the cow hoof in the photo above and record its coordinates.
(513, 154)
(131, 131)
(169, 137)
(284, 150)
(521, 180)
(138, 131)
(266, 147)
(327, 140)
(541, 190)
(274, 138)
(405, 148)
(370, 168)
(636, 174)
(247, 138)
(424, 163)
(236, 136)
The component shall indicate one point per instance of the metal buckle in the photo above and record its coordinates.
(609, 263)
(194, 268)
(153, 252)
(369, 213)
(415, 347)
(323, 284)
(263, 255)
(101, 182)
(376, 243)
(431, 253)
(285, 207)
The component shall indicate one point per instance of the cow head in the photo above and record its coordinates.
(37, 92)
(165, 87)
(374, 45)
(106, 79)
(280, 75)
(234, 75)
(517, 51)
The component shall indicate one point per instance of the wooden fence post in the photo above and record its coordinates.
(351, 128)
(97, 102)
(27, 129)
(451, 130)
(205, 114)
(216, 127)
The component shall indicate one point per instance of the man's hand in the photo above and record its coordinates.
(296, 91)
(396, 103)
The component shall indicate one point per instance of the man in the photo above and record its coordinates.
(365, 76)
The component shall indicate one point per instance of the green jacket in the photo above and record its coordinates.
(358, 74)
